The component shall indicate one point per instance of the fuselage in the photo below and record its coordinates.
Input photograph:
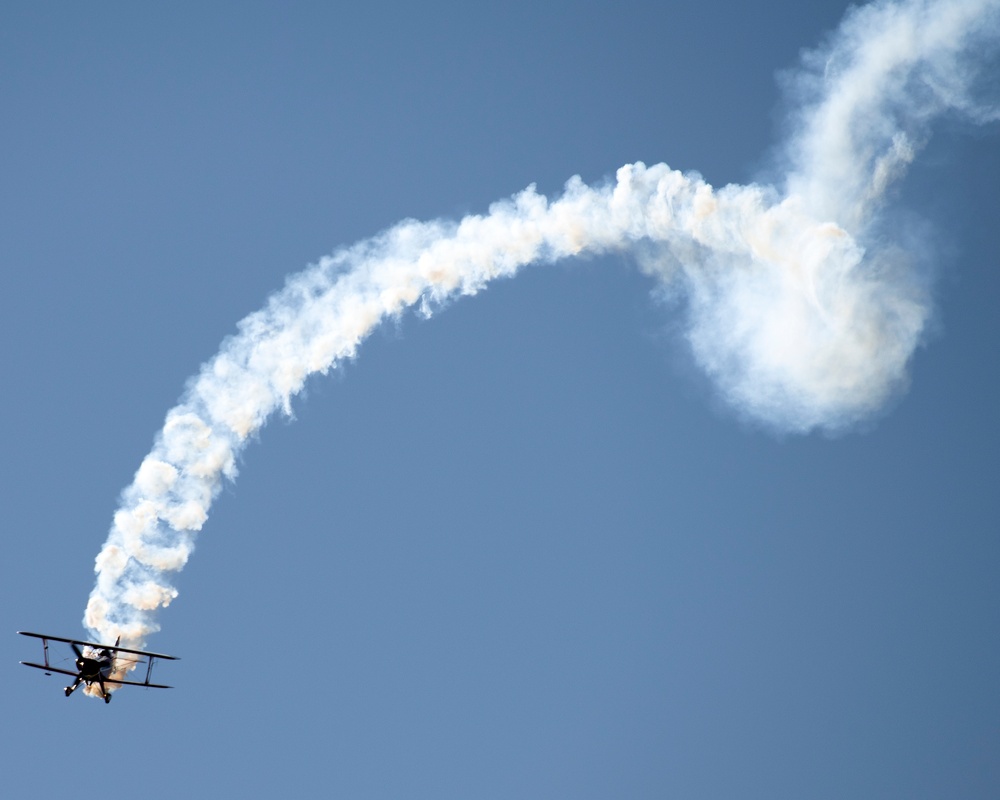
(97, 667)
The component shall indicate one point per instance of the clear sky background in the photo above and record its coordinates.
(516, 551)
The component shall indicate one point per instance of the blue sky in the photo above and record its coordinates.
(521, 549)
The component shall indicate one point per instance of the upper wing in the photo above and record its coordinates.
(45, 636)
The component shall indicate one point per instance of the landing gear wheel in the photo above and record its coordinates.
(107, 698)
(68, 690)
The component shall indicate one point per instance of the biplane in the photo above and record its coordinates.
(99, 663)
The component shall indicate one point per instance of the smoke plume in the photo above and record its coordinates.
(803, 317)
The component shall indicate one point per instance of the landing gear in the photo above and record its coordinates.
(69, 690)
(107, 697)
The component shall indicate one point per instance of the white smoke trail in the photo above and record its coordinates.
(799, 319)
